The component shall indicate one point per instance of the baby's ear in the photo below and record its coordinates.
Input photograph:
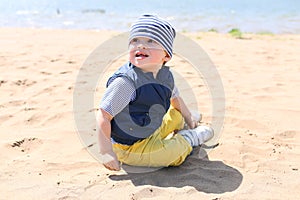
(167, 58)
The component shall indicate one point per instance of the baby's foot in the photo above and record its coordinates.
(198, 135)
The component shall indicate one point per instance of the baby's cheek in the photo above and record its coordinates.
(131, 56)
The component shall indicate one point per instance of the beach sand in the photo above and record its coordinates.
(43, 157)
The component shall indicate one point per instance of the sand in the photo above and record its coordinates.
(43, 157)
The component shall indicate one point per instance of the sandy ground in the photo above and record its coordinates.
(45, 156)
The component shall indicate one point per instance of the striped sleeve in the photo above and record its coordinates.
(117, 96)
(175, 92)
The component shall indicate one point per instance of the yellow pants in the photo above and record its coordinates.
(157, 150)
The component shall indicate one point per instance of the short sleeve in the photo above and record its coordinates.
(117, 95)
(175, 92)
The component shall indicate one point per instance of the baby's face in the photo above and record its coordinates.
(145, 52)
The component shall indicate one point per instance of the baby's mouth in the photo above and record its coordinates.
(141, 55)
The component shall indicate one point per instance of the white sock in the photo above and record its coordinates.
(198, 135)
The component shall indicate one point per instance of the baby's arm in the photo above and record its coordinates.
(108, 157)
(116, 97)
(178, 103)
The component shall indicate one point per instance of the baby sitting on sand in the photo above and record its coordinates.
(142, 106)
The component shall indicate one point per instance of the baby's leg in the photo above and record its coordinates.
(172, 121)
(156, 150)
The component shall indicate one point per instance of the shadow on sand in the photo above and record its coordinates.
(202, 174)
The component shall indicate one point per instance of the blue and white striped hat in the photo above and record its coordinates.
(159, 30)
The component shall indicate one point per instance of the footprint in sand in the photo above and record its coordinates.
(289, 134)
(250, 163)
(250, 157)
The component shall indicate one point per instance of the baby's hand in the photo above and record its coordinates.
(110, 161)
(192, 122)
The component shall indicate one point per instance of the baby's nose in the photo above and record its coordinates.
(141, 45)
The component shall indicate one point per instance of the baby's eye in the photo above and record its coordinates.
(151, 41)
(134, 40)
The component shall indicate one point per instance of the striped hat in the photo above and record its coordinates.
(159, 30)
